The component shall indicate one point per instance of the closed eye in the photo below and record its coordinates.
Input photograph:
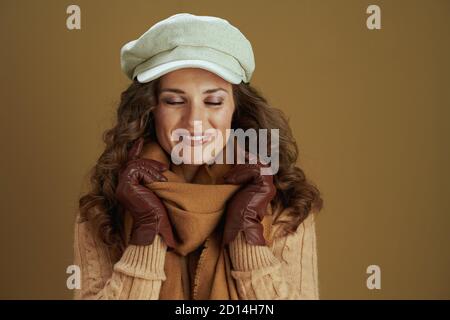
(211, 103)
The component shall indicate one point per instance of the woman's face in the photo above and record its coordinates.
(201, 103)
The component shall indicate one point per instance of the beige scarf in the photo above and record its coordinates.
(199, 267)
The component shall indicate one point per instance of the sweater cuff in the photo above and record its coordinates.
(146, 262)
(248, 257)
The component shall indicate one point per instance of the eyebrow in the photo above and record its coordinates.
(181, 91)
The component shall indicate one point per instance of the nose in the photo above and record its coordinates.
(195, 116)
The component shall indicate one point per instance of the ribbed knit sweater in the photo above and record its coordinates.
(287, 269)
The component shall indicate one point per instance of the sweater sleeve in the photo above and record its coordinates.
(137, 275)
(286, 270)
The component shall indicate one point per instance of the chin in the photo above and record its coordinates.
(195, 155)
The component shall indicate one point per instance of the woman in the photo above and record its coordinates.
(154, 228)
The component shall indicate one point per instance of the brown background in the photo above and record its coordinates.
(370, 110)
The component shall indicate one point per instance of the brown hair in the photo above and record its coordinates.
(135, 120)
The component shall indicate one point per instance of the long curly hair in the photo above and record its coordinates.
(135, 119)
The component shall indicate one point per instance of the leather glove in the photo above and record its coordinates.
(149, 213)
(248, 206)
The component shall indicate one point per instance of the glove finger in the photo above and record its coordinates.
(151, 164)
(243, 174)
(165, 229)
(148, 176)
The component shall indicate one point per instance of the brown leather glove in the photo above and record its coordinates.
(148, 212)
(247, 207)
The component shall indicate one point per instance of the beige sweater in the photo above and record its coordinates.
(285, 270)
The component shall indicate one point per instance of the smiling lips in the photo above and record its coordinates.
(197, 139)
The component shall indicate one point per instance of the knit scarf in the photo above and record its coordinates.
(198, 268)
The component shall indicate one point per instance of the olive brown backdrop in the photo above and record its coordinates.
(369, 109)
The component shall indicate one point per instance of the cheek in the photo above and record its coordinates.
(164, 124)
(222, 119)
